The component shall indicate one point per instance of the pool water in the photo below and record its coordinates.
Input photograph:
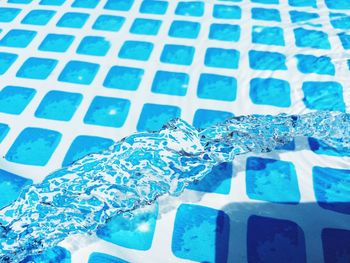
(76, 75)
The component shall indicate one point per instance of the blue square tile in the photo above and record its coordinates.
(73, 20)
(58, 105)
(142, 26)
(137, 50)
(11, 186)
(275, 240)
(265, 60)
(18, 38)
(303, 3)
(320, 147)
(224, 32)
(266, 14)
(38, 17)
(109, 23)
(36, 68)
(217, 87)
(120, 5)
(345, 40)
(107, 111)
(336, 246)
(8, 14)
(311, 38)
(300, 16)
(55, 254)
(327, 95)
(56, 43)
(177, 54)
(84, 145)
(270, 91)
(6, 61)
(221, 58)
(290, 146)
(153, 7)
(33, 146)
(123, 78)
(4, 129)
(154, 116)
(268, 179)
(227, 12)
(201, 234)
(190, 8)
(217, 181)
(311, 64)
(85, 3)
(338, 5)
(14, 100)
(171, 83)
(331, 188)
(135, 233)
(104, 258)
(52, 2)
(79, 72)
(205, 118)
(268, 35)
(94, 46)
(184, 29)
(340, 20)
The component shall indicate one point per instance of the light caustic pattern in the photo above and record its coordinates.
(136, 170)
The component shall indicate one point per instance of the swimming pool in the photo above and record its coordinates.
(78, 75)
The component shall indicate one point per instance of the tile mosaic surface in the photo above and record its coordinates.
(77, 75)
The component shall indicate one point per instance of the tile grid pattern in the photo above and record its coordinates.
(162, 241)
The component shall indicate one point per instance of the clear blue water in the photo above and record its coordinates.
(83, 195)
(316, 72)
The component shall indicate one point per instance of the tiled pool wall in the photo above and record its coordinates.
(77, 75)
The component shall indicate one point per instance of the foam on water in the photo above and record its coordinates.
(136, 170)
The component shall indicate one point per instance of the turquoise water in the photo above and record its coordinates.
(135, 171)
(78, 75)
